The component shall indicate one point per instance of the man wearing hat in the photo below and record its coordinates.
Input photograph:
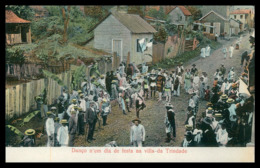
(80, 122)
(209, 112)
(29, 138)
(74, 103)
(39, 102)
(72, 127)
(168, 86)
(188, 140)
(54, 111)
(170, 124)
(225, 86)
(63, 134)
(82, 102)
(232, 110)
(222, 136)
(137, 133)
(231, 74)
(193, 69)
(114, 89)
(91, 119)
(49, 125)
(233, 92)
(152, 82)
(160, 82)
(57, 125)
(105, 110)
(187, 80)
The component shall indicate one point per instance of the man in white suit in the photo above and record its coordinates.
(137, 133)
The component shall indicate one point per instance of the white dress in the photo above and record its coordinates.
(207, 51)
(203, 52)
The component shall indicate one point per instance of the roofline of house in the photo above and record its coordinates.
(180, 9)
(124, 25)
(99, 22)
(215, 13)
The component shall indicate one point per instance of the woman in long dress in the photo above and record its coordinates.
(207, 52)
(203, 52)
(187, 80)
(196, 81)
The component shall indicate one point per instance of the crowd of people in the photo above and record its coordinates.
(227, 118)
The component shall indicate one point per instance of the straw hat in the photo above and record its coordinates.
(53, 108)
(230, 100)
(188, 127)
(74, 100)
(57, 119)
(224, 96)
(137, 119)
(81, 94)
(29, 132)
(209, 104)
(64, 121)
(79, 91)
(49, 113)
(218, 115)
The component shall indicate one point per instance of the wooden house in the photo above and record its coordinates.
(17, 29)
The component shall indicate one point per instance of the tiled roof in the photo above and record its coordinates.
(184, 10)
(241, 11)
(11, 17)
(149, 17)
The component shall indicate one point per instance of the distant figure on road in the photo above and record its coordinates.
(207, 52)
(231, 49)
(203, 52)
(224, 51)
(216, 37)
(137, 133)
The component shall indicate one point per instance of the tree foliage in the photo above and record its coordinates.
(53, 77)
(161, 35)
(22, 11)
(157, 14)
(196, 12)
(78, 76)
(96, 12)
(136, 10)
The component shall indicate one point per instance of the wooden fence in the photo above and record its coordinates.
(19, 99)
(158, 52)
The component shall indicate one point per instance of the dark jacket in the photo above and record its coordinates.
(91, 116)
(72, 125)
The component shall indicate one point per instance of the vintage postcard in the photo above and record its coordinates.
(167, 83)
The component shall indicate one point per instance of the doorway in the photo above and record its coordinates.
(23, 34)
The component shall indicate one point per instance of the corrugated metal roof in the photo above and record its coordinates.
(134, 23)
(11, 17)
